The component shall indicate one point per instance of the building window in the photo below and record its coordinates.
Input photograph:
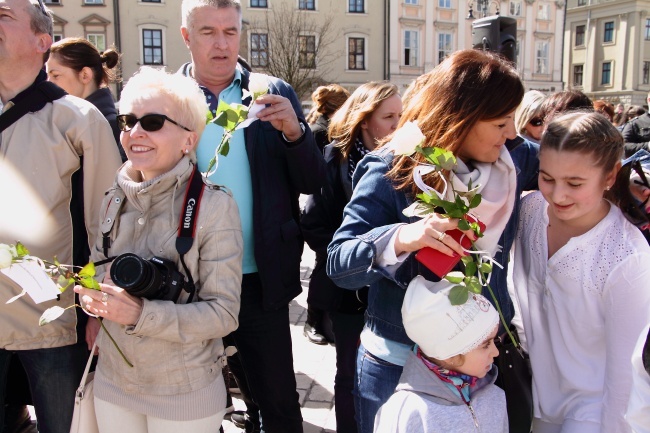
(580, 36)
(52, 2)
(411, 48)
(608, 36)
(150, 1)
(541, 57)
(411, 2)
(515, 8)
(259, 49)
(577, 75)
(356, 54)
(444, 45)
(647, 29)
(444, 4)
(98, 40)
(94, 2)
(582, 2)
(152, 47)
(543, 11)
(307, 52)
(259, 4)
(56, 37)
(646, 72)
(356, 6)
(606, 77)
(307, 5)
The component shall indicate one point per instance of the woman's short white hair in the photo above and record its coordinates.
(188, 101)
(528, 109)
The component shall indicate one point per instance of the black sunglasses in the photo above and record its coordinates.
(149, 122)
(40, 3)
(536, 121)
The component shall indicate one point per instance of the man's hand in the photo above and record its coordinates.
(281, 115)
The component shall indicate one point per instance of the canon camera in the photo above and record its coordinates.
(155, 278)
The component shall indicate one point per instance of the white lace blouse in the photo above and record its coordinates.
(581, 311)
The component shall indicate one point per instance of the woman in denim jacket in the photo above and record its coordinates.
(465, 105)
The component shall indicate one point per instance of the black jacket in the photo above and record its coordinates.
(103, 100)
(319, 129)
(636, 134)
(322, 216)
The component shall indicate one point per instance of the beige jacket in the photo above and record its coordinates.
(38, 155)
(175, 348)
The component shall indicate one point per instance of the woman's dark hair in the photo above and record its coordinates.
(79, 53)
(467, 87)
(591, 133)
(561, 102)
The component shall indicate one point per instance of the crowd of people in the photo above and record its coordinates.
(541, 201)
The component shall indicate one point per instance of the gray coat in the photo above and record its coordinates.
(424, 403)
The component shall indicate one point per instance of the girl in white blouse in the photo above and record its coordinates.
(581, 279)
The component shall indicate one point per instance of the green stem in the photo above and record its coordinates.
(101, 322)
(503, 320)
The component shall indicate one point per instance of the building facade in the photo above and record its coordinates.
(425, 31)
(607, 49)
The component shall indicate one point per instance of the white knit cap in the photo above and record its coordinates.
(443, 330)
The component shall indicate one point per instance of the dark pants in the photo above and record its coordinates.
(347, 329)
(54, 375)
(263, 342)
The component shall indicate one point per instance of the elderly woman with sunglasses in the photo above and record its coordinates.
(172, 381)
(528, 120)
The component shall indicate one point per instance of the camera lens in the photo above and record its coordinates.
(137, 276)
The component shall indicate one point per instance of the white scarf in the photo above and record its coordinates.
(497, 185)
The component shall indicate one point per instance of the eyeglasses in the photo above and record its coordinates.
(149, 122)
(536, 121)
(40, 3)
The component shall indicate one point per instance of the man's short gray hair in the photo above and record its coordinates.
(40, 23)
(189, 6)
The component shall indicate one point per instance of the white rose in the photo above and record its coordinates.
(258, 85)
(406, 139)
(5, 258)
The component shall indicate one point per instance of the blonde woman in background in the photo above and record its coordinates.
(528, 120)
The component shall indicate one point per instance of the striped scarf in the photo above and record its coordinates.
(357, 152)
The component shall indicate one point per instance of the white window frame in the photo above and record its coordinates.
(365, 7)
(445, 47)
(347, 52)
(250, 48)
(305, 9)
(444, 4)
(152, 26)
(93, 2)
(259, 7)
(514, 8)
(582, 75)
(584, 35)
(542, 61)
(544, 11)
(611, 73)
(315, 50)
(613, 32)
(56, 37)
(91, 36)
(414, 51)
(411, 2)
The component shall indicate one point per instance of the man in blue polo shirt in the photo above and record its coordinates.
(269, 164)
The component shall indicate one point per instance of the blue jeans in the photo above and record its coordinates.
(54, 375)
(374, 383)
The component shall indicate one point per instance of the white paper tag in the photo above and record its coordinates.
(34, 280)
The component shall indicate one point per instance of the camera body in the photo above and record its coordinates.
(155, 278)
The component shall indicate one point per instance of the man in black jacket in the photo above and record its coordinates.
(269, 164)
(636, 133)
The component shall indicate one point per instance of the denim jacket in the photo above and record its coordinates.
(369, 221)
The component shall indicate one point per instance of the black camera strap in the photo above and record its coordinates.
(187, 224)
